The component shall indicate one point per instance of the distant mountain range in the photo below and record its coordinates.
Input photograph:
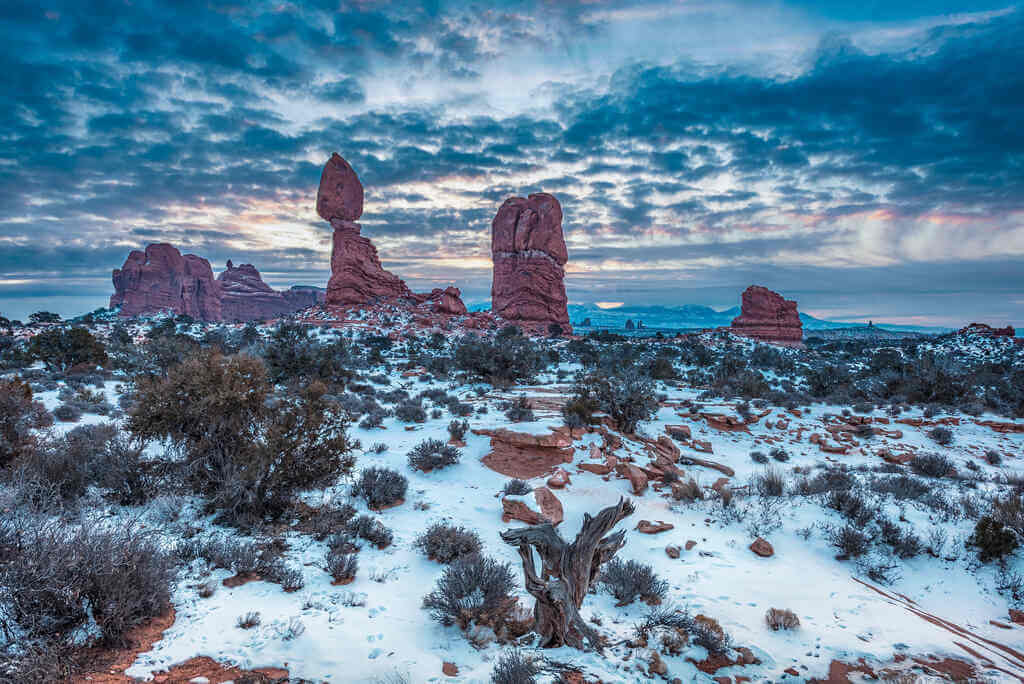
(689, 316)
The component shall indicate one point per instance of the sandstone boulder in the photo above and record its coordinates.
(340, 195)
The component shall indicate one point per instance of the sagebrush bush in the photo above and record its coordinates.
(473, 588)
(626, 396)
(60, 348)
(507, 358)
(433, 454)
(457, 430)
(59, 576)
(380, 487)
(445, 543)
(372, 530)
(20, 416)
(341, 566)
(941, 435)
(771, 482)
(514, 667)
(630, 580)
(516, 487)
(932, 465)
(850, 541)
(411, 412)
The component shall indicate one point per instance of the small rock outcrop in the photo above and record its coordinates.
(768, 317)
(304, 296)
(529, 254)
(245, 297)
(161, 279)
(985, 330)
(357, 276)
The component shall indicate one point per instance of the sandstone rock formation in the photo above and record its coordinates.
(766, 316)
(529, 255)
(985, 330)
(304, 296)
(161, 279)
(245, 297)
(357, 276)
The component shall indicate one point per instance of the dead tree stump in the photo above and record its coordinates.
(567, 571)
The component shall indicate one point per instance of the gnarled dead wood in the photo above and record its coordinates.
(567, 571)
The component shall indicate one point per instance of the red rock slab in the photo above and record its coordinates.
(596, 468)
(637, 478)
(1002, 428)
(702, 445)
(647, 527)
(690, 544)
(725, 423)
(682, 431)
(525, 456)
(672, 551)
(559, 479)
(449, 669)
(762, 548)
(720, 467)
(550, 508)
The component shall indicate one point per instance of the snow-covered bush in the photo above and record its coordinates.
(341, 566)
(380, 487)
(516, 487)
(433, 454)
(932, 465)
(445, 543)
(473, 588)
(519, 410)
(514, 667)
(370, 529)
(630, 580)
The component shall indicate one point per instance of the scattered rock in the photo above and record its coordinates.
(559, 479)
(637, 478)
(647, 527)
(449, 669)
(672, 551)
(762, 548)
(690, 544)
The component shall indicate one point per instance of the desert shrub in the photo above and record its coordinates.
(827, 480)
(372, 530)
(901, 487)
(519, 410)
(758, 457)
(905, 544)
(291, 355)
(248, 620)
(67, 413)
(661, 368)
(992, 539)
(472, 589)
(411, 412)
(380, 487)
(513, 667)
(932, 465)
(629, 580)
(433, 454)
(61, 348)
(247, 452)
(579, 410)
(341, 566)
(516, 487)
(688, 491)
(20, 415)
(849, 540)
(777, 619)
(851, 505)
(445, 543)
(627, 397)
(771, 482)
(863, 407)
(1009, 511)
(779, 454)
(457, 430)
(58, 577)
(327, 520)
(508, 358)
(941, 435)
(993, 457)
(373, 419)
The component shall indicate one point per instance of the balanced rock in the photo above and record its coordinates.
(766, 316)
(161, 279)
(340, 195)
(529, 253)
(245, 297)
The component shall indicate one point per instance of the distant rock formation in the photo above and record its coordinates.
(245, 297)
(161, 279)
(357, 276)
(529, 253)
(304, 296)
(767, 316)
(985, 330)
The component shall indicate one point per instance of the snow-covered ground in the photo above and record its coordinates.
(375, 627)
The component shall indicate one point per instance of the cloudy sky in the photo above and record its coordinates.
(865, 158)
